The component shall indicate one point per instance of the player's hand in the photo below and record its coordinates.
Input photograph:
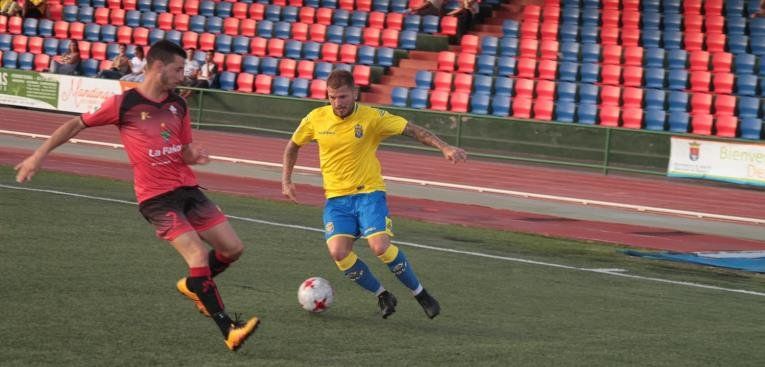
(27, 168)
(288, 189)
(454, 154)
(196, 155)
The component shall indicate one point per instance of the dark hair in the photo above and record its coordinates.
(339, 78)
(164, 51)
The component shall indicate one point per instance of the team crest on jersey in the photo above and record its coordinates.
(358, 131)
(145, 115)
(163, 132)
(330, 227)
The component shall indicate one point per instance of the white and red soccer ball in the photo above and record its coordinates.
(315, 294)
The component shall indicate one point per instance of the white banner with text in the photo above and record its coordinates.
(714, 160)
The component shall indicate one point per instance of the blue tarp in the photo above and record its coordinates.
(753, 261)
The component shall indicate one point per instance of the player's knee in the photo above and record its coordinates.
(234, 250)
(338, 254)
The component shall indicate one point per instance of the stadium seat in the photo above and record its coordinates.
(590, 53)
(263, 84)
(399, 96)
(544, 89)
(678, 121)
(700, 81)
(233, 63)
(611, 74)
(655, 120)
(547, 69)
(97, 51)
(276, 47)
(50, 46)
(269, 65)
(526, 67)
(701, 124)
(439, 100)
(508, 46)
(524, 88)
(565, 111)
(724, 105)
(677, 101)
(418, 98)
(41, 62)
(19, 43)
(479, 103)
(609, 116)
(610, 95)
(746, 85)
(26, 61)
(586, 113)
(748, 107)
(677, 79)
(751, 128)
(632, 76)
(250, 64)
(388, 38)
(654, 99)
(632, 118)
(701, 104)
(89, 67)
(588, 93)
(318, 89)
(521, 107)
(632, 98)
(723, 83)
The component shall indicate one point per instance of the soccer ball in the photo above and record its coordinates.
(315, 294)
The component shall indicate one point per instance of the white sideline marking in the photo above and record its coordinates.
(565, 199)
(612, 272)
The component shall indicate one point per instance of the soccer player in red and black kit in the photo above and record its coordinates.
(155, 129)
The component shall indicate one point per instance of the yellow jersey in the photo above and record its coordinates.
(348, 146)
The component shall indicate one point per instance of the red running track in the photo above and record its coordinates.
(647, 191)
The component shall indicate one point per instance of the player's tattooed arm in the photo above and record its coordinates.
(425, 136)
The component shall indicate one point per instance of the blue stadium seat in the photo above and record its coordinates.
(678, 121)
(677, 79)
(50, 46)
(308, 3)
(353, 35)
(207, 8)
(322, 70)
(735, 25)
(671, 21)
(654, 78)
(571, 14)
(335, 34)
(510, 28)
(92, 32)
(751, 128)
(589, 73)
(45, 28)
(482, 83)
(273, 13)
(568, 33)
(196, 23)
(173, 36)
(569, 51)
(412, 22)
(157, 34)
(159, 6)
(10, 59)
(112, 50)
(588, 93)
(738, 44)
(677, 101)
(566, 92)
(280, 86)
(418, 98)
(590, 17)
(149, 19)
(241, 45)
(407, 40)
(589, 34)
(385, 56)
(366, 55)
(282, 30)
(69, 13)
(672, 39)
(677, 59)
(98, 3)
(587, 113)
(133, 19)
(250, 64)
(751, 7)
(214, 24)
(143, 5)
(222, 9)
(342, 66)
(485, 64)
(430, 24)
(269, 65)
(757, 27)
(380, 5)
(653, 58)
(565, 111)
(500, 105)
(508, 46)
(359, 18)
(85, 14)
(89, 67)
(423, 79)
(590, 53)
(650, 20)
(655, 120)
(399, 96)
(746, 85)
(199, 55)
(654, 99)
(311, 50)
(503, 85)
(63, 46)
(293, 49)
(651, 5)
(108, 33)
(506, 65)
(650, 38)
(479, 103)
(748, 107)
(30, 27)
(757, 45)
(222, 43)
(300, 87)
(744, 63)
(568, 71)
(734, 7)
(489, 45)
(26, 61)
(341, 17)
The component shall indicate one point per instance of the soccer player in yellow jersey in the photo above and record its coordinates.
(348, 135)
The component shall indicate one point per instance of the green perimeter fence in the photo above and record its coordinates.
(568, 144)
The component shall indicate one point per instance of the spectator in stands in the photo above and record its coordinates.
(68, 63)
(190, 68)
(429, 7)
(137, 66)
(467, 12)
(207, 73)
(35, 8)
(760, 13)
(120, 65)
(10, 8)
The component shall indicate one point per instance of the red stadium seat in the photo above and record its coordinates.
(318, 32)
(305, 69)
(206, 41)
(257, 11)
(98, 51)
(300, 31)
(165, 21)
(551, 13)
(702, 124)
(35, 45)
(609, 115)
(307, 15)
(630, 37)
(632, 118)
(346, 4)
(61, 29)
(522, 107)
(698, 60)
(362, 75)
(526, 67)
(4, 23)
(530, 29)
(218, 58)
(543, 109)
(287, 68)
(611, 74)
(630, 19)
(231, 26)
(20, 43)
(693, 23)
(714, 24)
(716, 42)
(364, 5)
(532, 13)
(632, 76)
(173, 6)
(101, 16)
(389, 38)
(442, 81)
(713, 7)
(42, 61)
(700, 81)
(463, 83)
(330, 52)
(692, 6)
(248, 27)
(259, 46)
(723, 83)
(549, 31)
(721, 62)
(466, 63)
(529, 47)
(318, 89)
(545, 89)
(548, 49)
(393, 21)
(15, 25)
(632, 97)
(55, 12)
(701, 104)
(469, 44)
(376, 19)
(459, 101)
(141, 37)
(693, 41)
(547, 69)
(449, 25)
(117, 17)
(244, 82)
(524, 88)
(446, 60)
(191, 7)
(725, 105)
(609, 36)
(76, 30)
(84, 49)
(181, 22)
(633, 55)
(189, 40)
(610, 95)
(234, 63)
(276, 47)
(348, 53)
(612, 55)
(324, 16)
(726, 126)
(609, 17)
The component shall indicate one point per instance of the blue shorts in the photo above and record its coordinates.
(360, 215)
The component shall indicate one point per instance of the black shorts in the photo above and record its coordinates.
(179, 211)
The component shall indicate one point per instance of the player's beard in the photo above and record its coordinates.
(165, 80)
